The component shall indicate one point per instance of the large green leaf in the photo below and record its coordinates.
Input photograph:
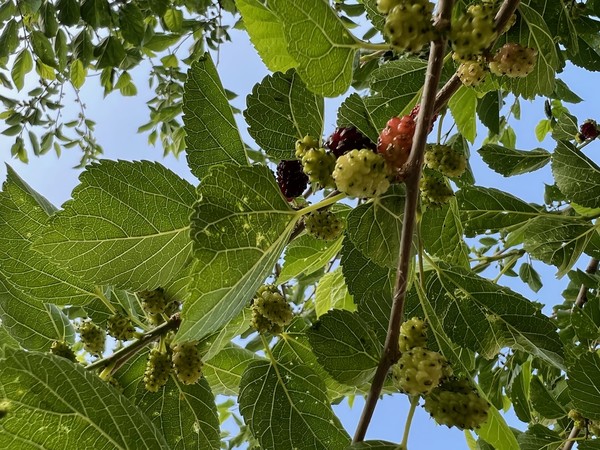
(354, 112)
(463, 106)
(286, 407)
(509, 161)
(332, 293)
(127, 225)
(281, 110)
(212, 136)
(484, 209)
(46, 392)
(374, 227)
(307, 254)
(23, 216)
(345, 346)
(186, 415)
(538, 437)
(32, 324)
(224, 370)
(584, 385)
(266, 33)
(442, 234)
(240, 226)
(485, 317)
(576, 175)
(319, 42)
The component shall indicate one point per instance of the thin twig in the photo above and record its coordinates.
(123, 355)
(391, 351)
(572, 438)
(582, 295)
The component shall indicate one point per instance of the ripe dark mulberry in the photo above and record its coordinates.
(345, 139)
(291, 178)
(588, 130)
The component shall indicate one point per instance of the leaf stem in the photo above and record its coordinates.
(391, 352)
(104, 300)
(414, 402)
(370, 46)
(121, 356)
(329, 200)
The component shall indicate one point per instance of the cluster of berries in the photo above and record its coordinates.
(408, 23)
(270, 310)
(184, 359)
(450, 401)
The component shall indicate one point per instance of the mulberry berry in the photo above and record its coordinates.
(361, 173)
(270, 310)
(473, 32)
(457, 404)
(305, 144)
(186, 362)
(64, 350)
(120, 327)
(384, 6)
(345, 139)
(318, 165)
(513, 60)
(471, 73)
(395, 141)
(588, 130)
(435, 190)
(408, 25)
(92, 337)
(291, 178)
(414, 113)
(154, 301)
(324, 225)
(419, 371)
(158, 369)
(446, 160)
(413, 333)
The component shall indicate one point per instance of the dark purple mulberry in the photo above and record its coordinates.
(345, 139)
(291, 178)
(589, 130)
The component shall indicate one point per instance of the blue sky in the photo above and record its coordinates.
(117, 119)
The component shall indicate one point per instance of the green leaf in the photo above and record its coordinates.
(61, 48)
(32, 324)
(9, 39)
(496, 432)
(280, 110)
(558, 241)
(533, 32)
(353, 112)
(488, 111)
(77, 73)
(240, 226)
(185, 414)
(131, 22)
(484, 209)
(442, 234)
(110, 53)
(46, 392)
(160, 42)
(173, 20)
(518, 391)
(127, 225)
(306, 255)
(345, 346)
(485, 317)
(224, 370)
(373, 445)
(266, 34)
(212, 137)
(42, 48)
(22, 66)
(212, 344)
(542, 129)
(577, 176)
(68, 12)
(586, 319)
(332, 293)
(463, 106)
(286, 408)
(538, 437)
(565, 128)
(509, 161)
(529, 275)
(320, 43)
(545, 402)
(584, 382)
(96, 13)
(374, 227)
(23, 217)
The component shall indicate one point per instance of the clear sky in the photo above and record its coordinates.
(118, 118)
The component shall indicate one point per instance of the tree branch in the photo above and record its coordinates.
(582, 295)
(121, 356)
(391, 352)
(571, 439)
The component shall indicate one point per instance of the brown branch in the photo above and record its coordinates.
(571, 439)
(582, 295)
(391, 352)
(505, 12)
(123, 355)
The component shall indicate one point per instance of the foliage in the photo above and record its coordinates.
(183, 265)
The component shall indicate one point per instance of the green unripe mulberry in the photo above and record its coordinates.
(92, 337)
(270, 310)
(408, 26)
(153, 301)
(158, 369)
(446, 160)
(473, 32)
(471, 73)
(186, 362)
(120, 327)
(413, 333)
(435, 190)
(361, 173)
(419, 371)
(318, 165)
(457, 403)
(305, 144)
(64, 350)
(323, 225)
